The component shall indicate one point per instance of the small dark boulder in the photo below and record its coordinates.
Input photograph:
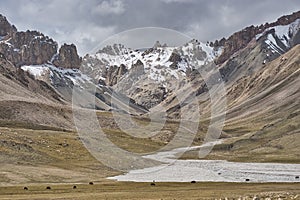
(91, 183)
(152, 184)
(247, 179)
(296, 177)
(193, 181)
(74, 187)
(48, 188)
(25, 188)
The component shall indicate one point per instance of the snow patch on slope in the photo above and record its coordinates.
(282, 33)
(75, 75)
(272, 45)
(156, 60)
(36, 70)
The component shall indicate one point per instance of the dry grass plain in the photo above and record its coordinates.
(130, 190)
(39, 156)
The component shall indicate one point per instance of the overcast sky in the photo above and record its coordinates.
(88, 22)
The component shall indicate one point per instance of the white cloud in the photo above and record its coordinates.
(85, 37)
(87, 23)
(199, 31)
(109, 7)
(230, 16)
(178, 1)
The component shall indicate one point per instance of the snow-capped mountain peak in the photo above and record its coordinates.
(281, 37)
(157, 61)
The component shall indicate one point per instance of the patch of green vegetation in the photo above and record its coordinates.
(27, 125)
(132, 144)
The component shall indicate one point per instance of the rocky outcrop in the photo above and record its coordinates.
(149, 95)
(25, 48)
(175, 58)
(114, 74)
(67, 57)
(34, 48)
(115, 49)
(240, 39)
(236, 42)
(137, 69)
(156, 45)
(28, 48)
(6, 28)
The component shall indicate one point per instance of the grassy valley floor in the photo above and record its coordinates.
(130, 190)
(37, 156)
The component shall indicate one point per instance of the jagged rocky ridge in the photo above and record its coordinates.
(34, 48)
(260, 75)
(37, 54)
(152, 76)
(149, 77)
(241, 39)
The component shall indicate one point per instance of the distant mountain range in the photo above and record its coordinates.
(259, 65)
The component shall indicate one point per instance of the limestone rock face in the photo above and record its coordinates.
(6, 27)
(25, 48)
(67, 57)
(114, 74)
(28, 48)
(34, 48)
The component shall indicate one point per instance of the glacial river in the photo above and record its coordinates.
(173, 170)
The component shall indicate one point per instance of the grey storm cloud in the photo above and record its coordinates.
(87, 23)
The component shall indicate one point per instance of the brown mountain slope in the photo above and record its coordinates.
(276, 85)
(263, 114)
(269, 107)
(241, 39)
(26, 100)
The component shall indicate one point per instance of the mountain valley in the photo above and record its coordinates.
(243, 90)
